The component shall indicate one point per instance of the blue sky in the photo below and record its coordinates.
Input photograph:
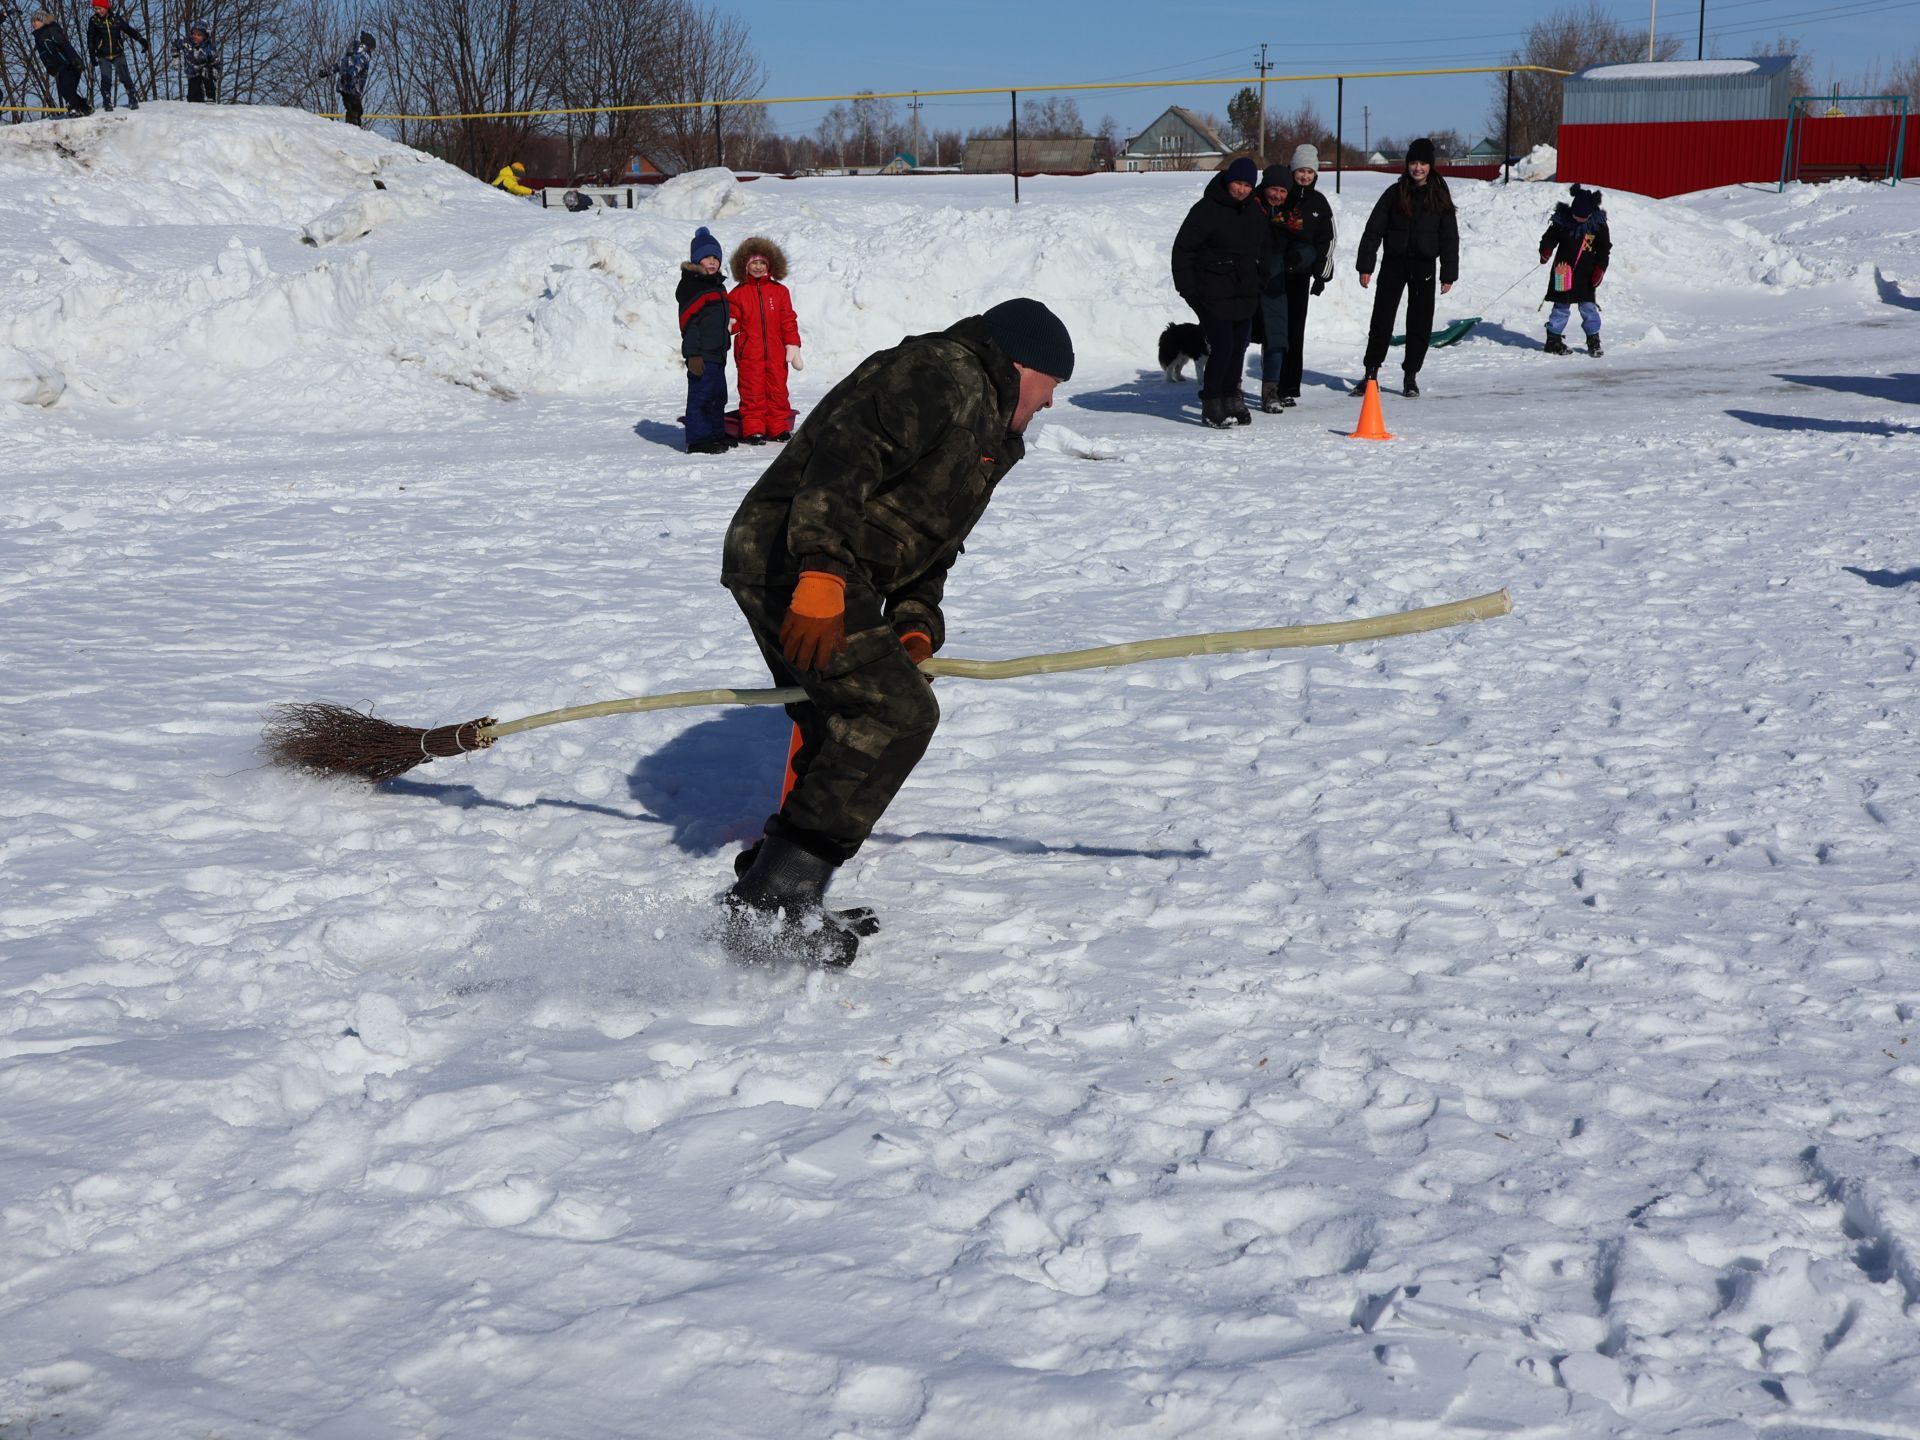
(820, 47)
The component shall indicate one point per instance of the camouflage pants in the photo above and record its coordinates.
(864, 725)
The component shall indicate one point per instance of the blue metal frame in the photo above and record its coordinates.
(1796, 108)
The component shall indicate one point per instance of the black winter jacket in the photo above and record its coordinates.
(887, 476)
(50, 43)
(1426, 234)
(1586, 245)
(1220, 254)
(702, 302)
(107, 36)
(1307, 217)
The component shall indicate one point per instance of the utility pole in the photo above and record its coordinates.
(1700, 51)
(1366, 128)
(914, 106)
(1653, 15)
(1263, 67)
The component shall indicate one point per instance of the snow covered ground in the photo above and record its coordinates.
(1500, 1031)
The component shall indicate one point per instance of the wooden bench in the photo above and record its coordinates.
(1819, 174)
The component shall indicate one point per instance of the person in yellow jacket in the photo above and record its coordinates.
(509, 179)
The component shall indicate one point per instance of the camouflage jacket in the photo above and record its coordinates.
(887, 476)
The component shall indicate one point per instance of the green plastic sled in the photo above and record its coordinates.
(1452, 335)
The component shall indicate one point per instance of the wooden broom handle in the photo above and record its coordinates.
(1100, 657)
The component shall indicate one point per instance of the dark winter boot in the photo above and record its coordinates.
(1270, 397)
(1360, 385)
(1237, 411)
(860, 919)
(1556, 345)
(1410, 386)
(1213, 412)
(1593, 344)
(777, 911)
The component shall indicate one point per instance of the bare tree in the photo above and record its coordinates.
(1800, 73)
(708, 58)
(1568, 39)
(613, 57)
(1107, 143)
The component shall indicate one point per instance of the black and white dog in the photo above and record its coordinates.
(1179, 345)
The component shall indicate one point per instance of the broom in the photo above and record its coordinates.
(327, 739)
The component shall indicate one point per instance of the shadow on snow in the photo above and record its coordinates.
(1831, 427)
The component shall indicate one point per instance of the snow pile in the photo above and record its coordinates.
(288, 267)
(1540, 164)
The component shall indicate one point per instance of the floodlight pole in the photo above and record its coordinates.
(1700, 50)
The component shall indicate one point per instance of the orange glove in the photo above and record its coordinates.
(918, 645)
(815, 629)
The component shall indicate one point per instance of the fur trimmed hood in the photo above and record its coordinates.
(757, 245)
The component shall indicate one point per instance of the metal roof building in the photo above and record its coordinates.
(1671, 91)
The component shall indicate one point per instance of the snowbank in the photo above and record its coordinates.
(275, 264)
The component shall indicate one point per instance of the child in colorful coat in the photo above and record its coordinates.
(766, 339)
(702, 302)
(1579, 246)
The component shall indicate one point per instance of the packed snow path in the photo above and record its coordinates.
(1497, 1031)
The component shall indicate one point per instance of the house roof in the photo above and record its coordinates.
(1210, 136)
(996, 156)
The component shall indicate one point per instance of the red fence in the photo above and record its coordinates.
(1672, 159)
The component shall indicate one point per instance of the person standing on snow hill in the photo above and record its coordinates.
(702, 301)
(509, 179)
(1308, 221)
(1414, 219)
(1219, 262)
(201, 61)
(62, 62)
(1579, 245)
(766, 339)
(107, 36)
(838, 558)
(351, 75)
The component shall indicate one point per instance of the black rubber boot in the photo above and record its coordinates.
(1411, 387)
(1213, 412)
(777, 910)
(1237, 411)
(1593, 344)
(1360, 385)
(862, 920)
(1556, 344)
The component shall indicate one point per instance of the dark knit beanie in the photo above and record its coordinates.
(1276, 175)
(704, 245)
(1585, 202)
(1243, 170)
(1420, 150)
(1032, 335)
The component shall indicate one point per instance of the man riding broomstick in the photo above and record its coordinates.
(838, 558)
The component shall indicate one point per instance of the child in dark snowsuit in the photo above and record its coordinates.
(201, 60)
(1289, 254)
(702, 301)
(107, 37)
(57, 54)
(1579, 246)
(766, 340)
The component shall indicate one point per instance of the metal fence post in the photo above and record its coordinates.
(1339, 128)
(1506, 146)
(1013, 97)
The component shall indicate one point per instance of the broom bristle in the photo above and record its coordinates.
(327, 739)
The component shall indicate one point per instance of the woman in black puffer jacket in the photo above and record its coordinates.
(1415, 223)
(1219, 261)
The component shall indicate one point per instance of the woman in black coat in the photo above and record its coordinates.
(1414, 222)
(1308, 220)
(1219, 261)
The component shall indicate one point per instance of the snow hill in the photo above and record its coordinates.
(1498, 1031)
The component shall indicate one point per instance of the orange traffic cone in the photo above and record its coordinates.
(1373, 425)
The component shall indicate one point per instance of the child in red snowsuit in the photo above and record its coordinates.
(766, 339)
